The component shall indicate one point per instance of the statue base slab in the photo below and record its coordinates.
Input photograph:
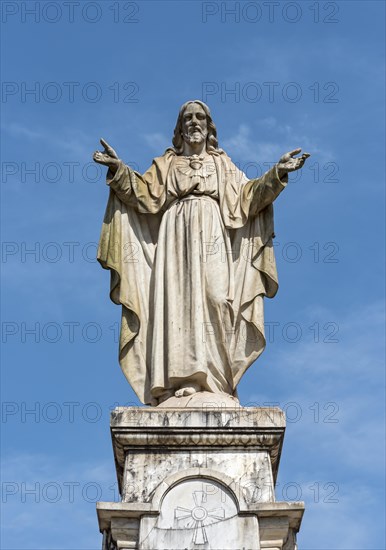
(198, 476)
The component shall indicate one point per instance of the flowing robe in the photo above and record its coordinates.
(191, 259)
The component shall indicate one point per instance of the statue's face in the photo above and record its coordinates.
(194, 124)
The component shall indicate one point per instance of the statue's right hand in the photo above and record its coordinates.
(108, 149)
(108, 157)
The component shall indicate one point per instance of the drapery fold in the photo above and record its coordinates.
(228, 240)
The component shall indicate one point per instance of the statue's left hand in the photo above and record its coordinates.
(288, 163)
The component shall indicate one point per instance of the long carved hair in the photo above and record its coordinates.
(211, 139)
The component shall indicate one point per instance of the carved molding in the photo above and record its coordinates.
(152, 439)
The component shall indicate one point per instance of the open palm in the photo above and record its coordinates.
(289, 163)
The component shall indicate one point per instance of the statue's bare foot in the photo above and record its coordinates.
(185, 391)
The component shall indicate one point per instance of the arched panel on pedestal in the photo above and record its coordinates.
(196, 510)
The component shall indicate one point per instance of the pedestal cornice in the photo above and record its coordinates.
(207, 427)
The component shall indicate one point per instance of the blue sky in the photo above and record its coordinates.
(277, 75)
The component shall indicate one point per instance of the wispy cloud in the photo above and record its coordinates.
(335, 409)
(346, 522)
(244, 146)
(43, 492)
(18, 130)
(157, 142)
(72, 141)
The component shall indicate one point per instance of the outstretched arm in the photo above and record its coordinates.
(144, 192)
(119, 175)
(267, 188)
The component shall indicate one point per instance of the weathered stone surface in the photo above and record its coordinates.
(198, 478)
(148, 444)
(190, 250)
(189, 246)
(197, 514)
(249, 475)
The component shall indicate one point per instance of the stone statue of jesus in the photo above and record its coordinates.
(189, 248)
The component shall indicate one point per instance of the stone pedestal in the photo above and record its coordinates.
(198, 477)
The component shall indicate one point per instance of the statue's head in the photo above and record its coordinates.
(194, 123)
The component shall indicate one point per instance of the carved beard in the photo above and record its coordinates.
(196, 136)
